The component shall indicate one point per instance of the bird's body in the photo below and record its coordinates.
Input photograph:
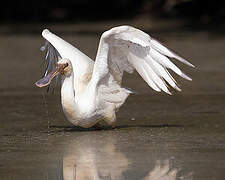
(91, 91)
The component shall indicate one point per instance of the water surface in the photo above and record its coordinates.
(172, 137)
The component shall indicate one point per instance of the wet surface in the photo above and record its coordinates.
(157, 136)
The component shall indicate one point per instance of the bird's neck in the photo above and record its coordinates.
(68, 98)
(66, 50)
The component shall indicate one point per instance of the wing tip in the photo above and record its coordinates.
(186, 77)
(168, 52)
(168, 92)
(177, 88)
(184, 61)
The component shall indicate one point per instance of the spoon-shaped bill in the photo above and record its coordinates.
(45, 81)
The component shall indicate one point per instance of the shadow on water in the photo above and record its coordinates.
(104, 128)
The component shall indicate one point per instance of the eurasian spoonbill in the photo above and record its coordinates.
(91, 91)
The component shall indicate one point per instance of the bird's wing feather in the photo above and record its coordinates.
(126, 48)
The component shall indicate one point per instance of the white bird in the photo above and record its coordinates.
(91, 92)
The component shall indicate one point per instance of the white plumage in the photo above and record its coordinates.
(91, 91)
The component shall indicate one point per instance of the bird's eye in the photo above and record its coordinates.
(67, 64)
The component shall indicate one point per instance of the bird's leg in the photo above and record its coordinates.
(101, 125)
(110, 116)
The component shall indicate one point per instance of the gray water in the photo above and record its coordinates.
(172, 137)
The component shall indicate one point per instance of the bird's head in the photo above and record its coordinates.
(63, 67)
(66, 67)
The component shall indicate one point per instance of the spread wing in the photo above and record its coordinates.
(126, 49)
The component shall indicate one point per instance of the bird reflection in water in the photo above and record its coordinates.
(84, 160)
(162, 171)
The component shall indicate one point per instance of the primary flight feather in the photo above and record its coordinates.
(91, 91)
